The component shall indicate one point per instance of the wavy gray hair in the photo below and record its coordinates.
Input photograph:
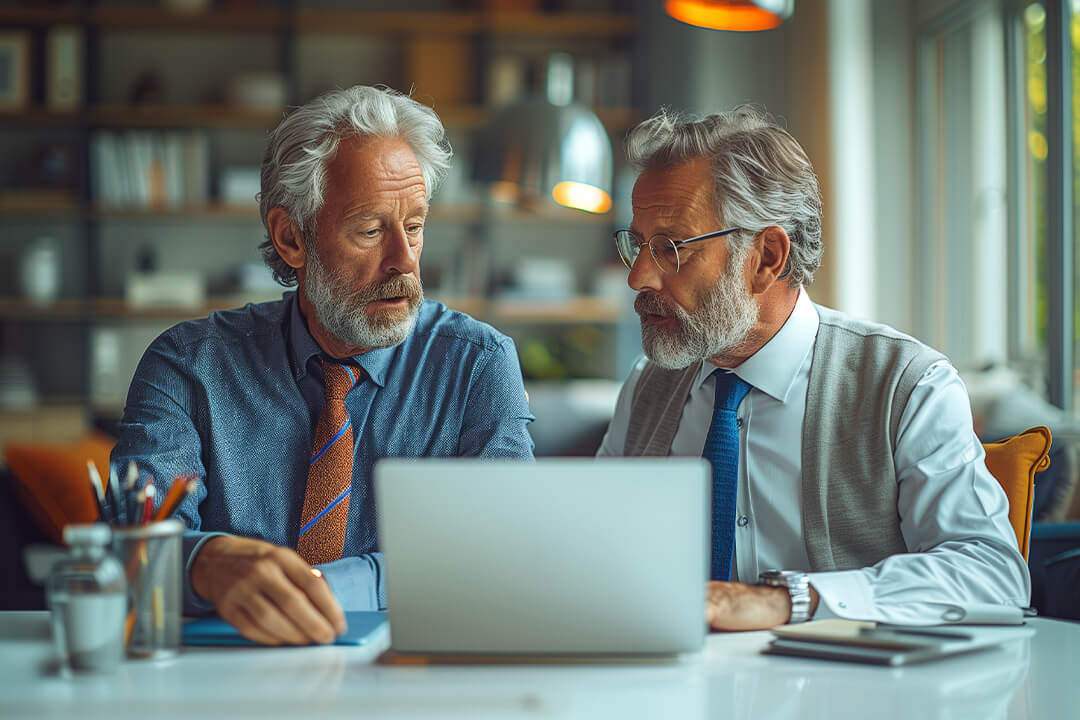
(762, 176)
(301, 146)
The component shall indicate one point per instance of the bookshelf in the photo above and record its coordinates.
(178, 59)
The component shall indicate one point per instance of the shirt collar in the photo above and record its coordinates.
(774, 368)
(303, 347)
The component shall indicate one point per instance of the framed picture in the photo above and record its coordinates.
(14, 71)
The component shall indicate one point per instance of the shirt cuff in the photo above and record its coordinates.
(843, 594)
(193, 542)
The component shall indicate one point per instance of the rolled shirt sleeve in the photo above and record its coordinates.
(953, 516)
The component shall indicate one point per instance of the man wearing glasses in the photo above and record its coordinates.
(847, 479)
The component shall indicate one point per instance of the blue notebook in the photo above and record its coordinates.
(215, 631)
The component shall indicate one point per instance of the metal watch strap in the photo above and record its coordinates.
(798, 587)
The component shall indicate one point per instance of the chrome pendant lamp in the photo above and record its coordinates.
(547, 148)
(738, 15)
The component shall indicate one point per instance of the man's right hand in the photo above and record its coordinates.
(266, 592)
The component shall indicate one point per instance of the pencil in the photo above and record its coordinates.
(182, 486)
(99, 493)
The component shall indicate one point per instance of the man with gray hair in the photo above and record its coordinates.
(282, 408)
(847, 479)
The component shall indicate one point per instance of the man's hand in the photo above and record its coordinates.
(737, 606)
(266, 592)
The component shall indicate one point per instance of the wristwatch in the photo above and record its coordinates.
(798, 587)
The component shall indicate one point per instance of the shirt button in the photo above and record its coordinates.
(743, 521)
(738, 422)
(842, 605)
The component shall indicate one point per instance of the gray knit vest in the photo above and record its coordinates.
(861, 376)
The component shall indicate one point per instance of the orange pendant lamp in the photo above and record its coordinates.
(738, 15)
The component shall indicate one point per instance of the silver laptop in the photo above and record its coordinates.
(560, 556)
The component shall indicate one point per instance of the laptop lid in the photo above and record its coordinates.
(559, 556)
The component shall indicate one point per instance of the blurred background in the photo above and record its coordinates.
(944, 134)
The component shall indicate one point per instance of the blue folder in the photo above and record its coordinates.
(362, 627)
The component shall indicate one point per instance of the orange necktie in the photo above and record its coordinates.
(326, 499)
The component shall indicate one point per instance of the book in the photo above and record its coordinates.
(867, 642)
(363, 627)
(63, 87)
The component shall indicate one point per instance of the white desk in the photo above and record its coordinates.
(1036, 677)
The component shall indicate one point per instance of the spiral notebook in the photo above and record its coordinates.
(363, 627)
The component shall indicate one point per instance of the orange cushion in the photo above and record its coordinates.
(1014, 462)
(52, 480)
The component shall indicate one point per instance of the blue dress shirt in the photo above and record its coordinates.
(234, 399)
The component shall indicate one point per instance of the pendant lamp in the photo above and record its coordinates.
(546, 148)
(739, 15)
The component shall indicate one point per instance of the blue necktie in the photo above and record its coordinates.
(722, 450)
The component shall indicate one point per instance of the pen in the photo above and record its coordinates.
(131, 510)
(147, 509)
(116, 499)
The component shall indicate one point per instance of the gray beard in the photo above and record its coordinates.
(341, 310)
(722, 322)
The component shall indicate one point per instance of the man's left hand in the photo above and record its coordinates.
(738, 606)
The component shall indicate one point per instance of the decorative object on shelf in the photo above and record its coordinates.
(14, 71)
(165, 289)
(64, 81)
(239, 186)
(40, 271)
(546, 147)
(148, 89)
(17, 388)
(49, 165)
(505, 80)
(739, 15)
(256, 91)
(187, 6)
(541, 279)
(440, 68)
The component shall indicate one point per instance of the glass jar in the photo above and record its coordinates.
(87, 597)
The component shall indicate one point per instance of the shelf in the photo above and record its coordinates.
(250, 212)
(35, 117)
(340, 21)
(159, 18)
(503, 213)
(359, 21)
(18, 15)
(19, 309)
(462, 116)
(37, 202)
(574, 311)
(182, 116)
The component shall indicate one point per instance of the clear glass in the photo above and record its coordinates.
(87, 599)
(664, 250)
(150, 555)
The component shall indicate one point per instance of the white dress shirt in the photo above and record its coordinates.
(953, 513)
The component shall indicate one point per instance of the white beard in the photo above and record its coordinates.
(722, 322)
(342, 311)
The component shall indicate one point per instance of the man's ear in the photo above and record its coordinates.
(770, 252)
(286, 237)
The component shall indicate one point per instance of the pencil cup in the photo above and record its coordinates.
(150, 555)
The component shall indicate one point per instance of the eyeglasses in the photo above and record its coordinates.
(664, 250)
